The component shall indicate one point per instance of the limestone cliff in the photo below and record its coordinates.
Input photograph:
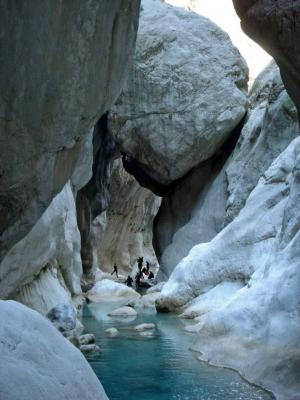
(61, 67)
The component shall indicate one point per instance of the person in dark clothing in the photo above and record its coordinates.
(140, 263)
(138, 279)
(115, 270)
(129, 281)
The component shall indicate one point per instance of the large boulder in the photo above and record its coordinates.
(219, 188)
(275, 25)
(184, 96)
(110, 290)
(61, 67)
(38, 363)
(258, 331)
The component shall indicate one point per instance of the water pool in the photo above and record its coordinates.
(133, 367)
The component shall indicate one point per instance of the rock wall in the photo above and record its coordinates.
(275, 25)
(37, 362)
(184, 96)
(61, 68)
(129, 219)
(219, 188)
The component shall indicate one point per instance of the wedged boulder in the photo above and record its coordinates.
(63, 317)
(37, 362)
(219, 189)
(110, 290)
(167, 117)
(257, 332)
(123, 312)
(61, 68)
(275, 25)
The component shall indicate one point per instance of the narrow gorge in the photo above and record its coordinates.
(150, 185)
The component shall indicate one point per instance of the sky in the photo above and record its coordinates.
(223, 14)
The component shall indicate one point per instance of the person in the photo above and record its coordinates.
(151, 275)
(140, 263)
(115, 270)
(138, 279)
(129, 281)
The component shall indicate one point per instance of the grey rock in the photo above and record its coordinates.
(89, 348)
(37, 362)
(88, 338)
(63, 317)
(61, 68)
(167, 117)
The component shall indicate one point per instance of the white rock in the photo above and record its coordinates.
(112, 332)
(212, 299)
(54, 241)
(37, 362)
(123, 312)
(186, 92)
(107, 289)
(257, 331)
(156, 288)
(145, 302)
(63, 317)
(144, 327)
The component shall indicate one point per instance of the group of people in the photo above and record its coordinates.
(143, 273)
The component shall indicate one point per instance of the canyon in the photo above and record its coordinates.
(129, 129)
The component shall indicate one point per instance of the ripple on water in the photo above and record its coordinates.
(133, 367)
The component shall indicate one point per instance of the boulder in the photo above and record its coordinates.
(107, 289)
(37, 362)
(113, 332)
(61, 68)
(156, 288)
(123, 312)
(219, 188)
(89, 348)
(88, 338)
(167, 118)
(144, 327)
(63, 317)
(145, 302)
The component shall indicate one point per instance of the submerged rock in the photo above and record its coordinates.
(113, 332)
(107, 289)
(123, 312)
(167, 117)
(144, 327)
(37, 362)
(89, 348)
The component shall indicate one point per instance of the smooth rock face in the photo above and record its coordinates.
(218, 190)
(54, 244)
(185, 95)
(37, 362)
(275, 25)
(129, 219)
(257, 332)
(110, 290)
(63, 317)
(61, 68)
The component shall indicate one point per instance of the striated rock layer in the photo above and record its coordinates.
(61, 68)
(219, 188)
(184, 96)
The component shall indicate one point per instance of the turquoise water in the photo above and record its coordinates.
(133, 367)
